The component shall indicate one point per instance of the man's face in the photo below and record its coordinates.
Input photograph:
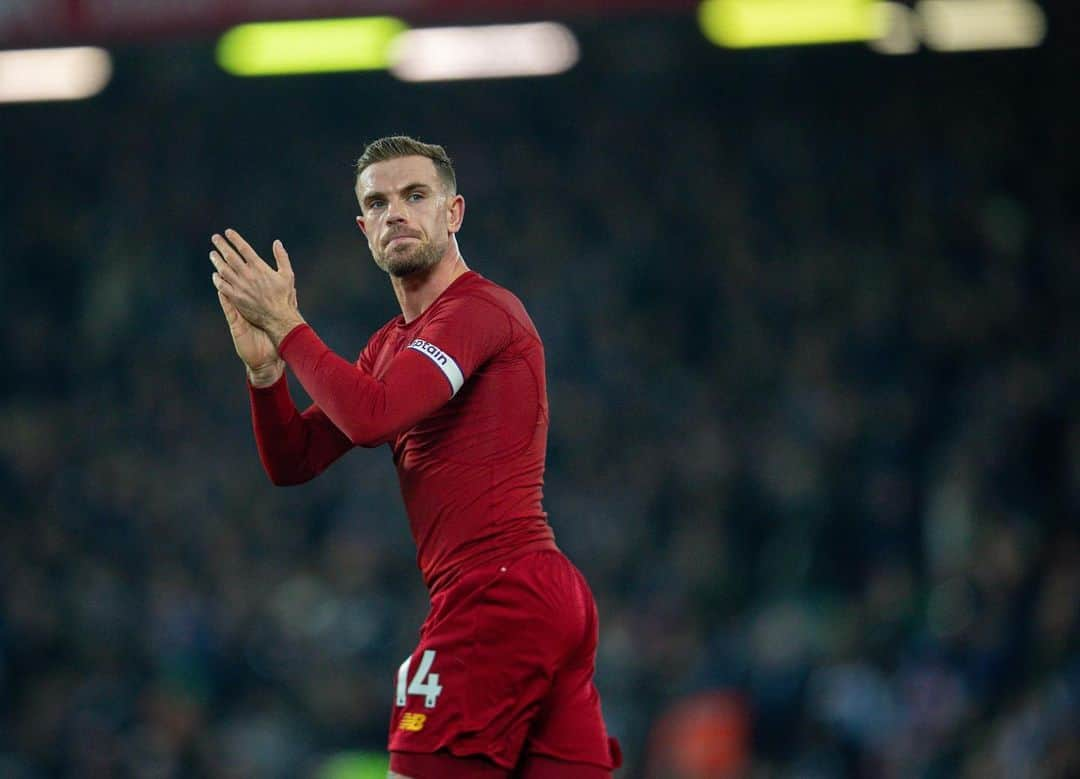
(406, 214)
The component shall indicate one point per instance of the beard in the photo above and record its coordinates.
(407, 261)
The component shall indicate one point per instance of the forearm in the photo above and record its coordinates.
(367, 410)
(293, 447)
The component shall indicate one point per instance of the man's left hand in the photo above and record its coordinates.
(264, 297)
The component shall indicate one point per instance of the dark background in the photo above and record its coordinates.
(812, 321)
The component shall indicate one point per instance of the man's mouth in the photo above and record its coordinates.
(398, 237)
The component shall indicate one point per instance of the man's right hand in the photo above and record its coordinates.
(254, 347)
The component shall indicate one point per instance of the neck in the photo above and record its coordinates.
(417, 291)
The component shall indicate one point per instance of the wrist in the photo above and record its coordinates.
(278, 329)
(266, 375)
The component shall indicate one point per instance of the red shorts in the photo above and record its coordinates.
(504, 670)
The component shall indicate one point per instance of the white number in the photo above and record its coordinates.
(424, 683)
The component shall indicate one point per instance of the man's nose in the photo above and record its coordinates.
(395, 212)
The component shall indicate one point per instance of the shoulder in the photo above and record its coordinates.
(378, 338)
(380, 335)
(485, 297)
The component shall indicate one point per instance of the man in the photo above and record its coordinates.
(501, 683)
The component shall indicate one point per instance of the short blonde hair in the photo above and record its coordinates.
(394, 146)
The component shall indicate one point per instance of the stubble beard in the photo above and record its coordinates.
(402, 263)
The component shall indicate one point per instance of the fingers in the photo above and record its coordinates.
(249, 254)
(223, 286)
(231, 312)
(228, 253)
(243, 279)
(282, 258)
(238, 254)
(236, 263)
(224, 269)
(233, 317)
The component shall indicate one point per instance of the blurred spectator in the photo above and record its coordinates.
(811, 322)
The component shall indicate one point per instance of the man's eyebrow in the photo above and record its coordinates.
(407, 188)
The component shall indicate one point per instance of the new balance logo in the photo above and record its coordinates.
(412, 722)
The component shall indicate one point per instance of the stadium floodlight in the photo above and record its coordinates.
(968, 25)
(741, 24)
(30, 75)
(899, 33)
(309, 46)
(491, 51)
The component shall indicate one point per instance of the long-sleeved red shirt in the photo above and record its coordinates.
(460, 395)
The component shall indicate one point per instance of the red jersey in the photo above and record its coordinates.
(460, 395)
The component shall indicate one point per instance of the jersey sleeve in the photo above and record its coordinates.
(294, 447)
(366, 360)
(459, 336)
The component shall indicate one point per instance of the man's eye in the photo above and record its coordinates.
(376, 204)
(415, 196)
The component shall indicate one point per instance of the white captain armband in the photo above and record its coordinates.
(445, 362)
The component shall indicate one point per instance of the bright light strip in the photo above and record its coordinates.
(495, 51)
(311, 46)
(967, 25)
(898, 29)
(30, 75)
(741, 24)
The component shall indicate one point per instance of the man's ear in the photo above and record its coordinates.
(455, 213)
(360, 224)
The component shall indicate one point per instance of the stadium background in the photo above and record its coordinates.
(812, 321)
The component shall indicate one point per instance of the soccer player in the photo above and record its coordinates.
(501, 682)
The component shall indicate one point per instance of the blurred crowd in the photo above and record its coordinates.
(812, 323)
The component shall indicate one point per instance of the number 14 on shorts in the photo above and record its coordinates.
(423, 683)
